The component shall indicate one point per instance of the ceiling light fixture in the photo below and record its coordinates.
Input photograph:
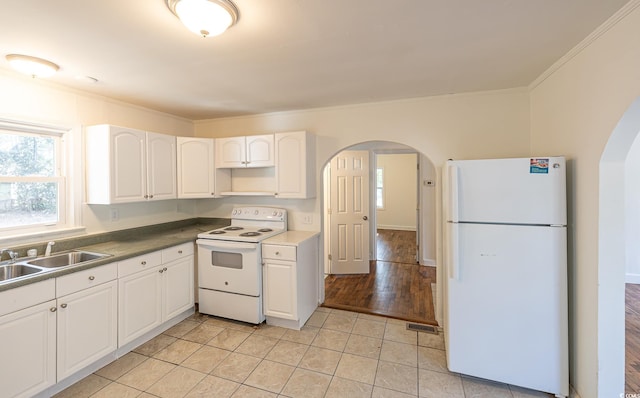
(205, 17)
(33, 66)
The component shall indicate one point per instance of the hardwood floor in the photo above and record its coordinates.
(396, 286)
(396, 246)
(632, 324)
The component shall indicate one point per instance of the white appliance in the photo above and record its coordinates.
(505, 290)
(230, 263)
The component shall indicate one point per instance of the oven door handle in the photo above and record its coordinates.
(217, 244)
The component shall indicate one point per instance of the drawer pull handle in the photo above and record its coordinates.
(143, 263)
(277, 253)
(92, 277)
(179, 251)
(63, 305)
(53, 309)
(164, 269)
(161, 271)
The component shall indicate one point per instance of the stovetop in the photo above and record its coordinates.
(250, 224)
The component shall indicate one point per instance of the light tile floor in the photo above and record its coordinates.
(336, 354)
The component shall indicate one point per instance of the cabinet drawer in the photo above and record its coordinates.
(139, 263)
(176, 252)
(85, 279)
(278, 252)
(25, 296)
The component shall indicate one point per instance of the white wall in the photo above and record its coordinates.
(400, 183)
(33, 100)
(477, 125)
(573, 112)
(632, 213)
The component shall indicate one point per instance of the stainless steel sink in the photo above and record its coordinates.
(65, 259)
(12, 271)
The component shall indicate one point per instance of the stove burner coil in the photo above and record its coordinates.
(265, 230)
(216, 232)
(233, 228)
(250, 234)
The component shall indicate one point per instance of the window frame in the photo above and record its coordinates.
(381, 188)
(65, 203)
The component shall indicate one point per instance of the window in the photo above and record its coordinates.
(380, 188)
(32, 183)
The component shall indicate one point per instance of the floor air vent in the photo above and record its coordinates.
(422, 328)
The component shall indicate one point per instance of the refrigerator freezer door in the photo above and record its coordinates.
(511, 191)
(506, 307)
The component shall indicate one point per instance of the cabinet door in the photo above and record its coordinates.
(139, 304)
(195, 167)
(128, 163)
(177, 281)
(280, 289)
(294, 170)
(28, 347)
(161, 166)
(230, 152)
(260, 151)
(87, 328)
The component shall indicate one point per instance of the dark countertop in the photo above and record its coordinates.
(120, 245)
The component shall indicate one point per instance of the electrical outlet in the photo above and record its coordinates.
(115, 214)
(307, 219)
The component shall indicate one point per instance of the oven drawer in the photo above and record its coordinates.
(279, 252)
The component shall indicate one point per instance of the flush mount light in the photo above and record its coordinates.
(33, 66)
(205, 17)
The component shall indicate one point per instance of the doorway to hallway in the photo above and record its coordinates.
(395, 287)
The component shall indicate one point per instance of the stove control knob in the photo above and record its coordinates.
(275, 213)
(256, 212)
(279, 214)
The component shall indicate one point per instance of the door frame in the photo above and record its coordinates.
(380, 147)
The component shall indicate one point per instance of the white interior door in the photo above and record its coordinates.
(350, 213)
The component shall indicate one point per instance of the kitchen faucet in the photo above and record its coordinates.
(47, 251)
(13, 255)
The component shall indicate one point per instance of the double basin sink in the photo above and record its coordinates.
(29, 267)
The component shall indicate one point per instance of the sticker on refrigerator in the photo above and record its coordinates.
(539, 166)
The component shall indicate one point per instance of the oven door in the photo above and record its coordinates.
(233, 267)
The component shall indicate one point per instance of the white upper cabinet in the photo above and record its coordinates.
(295, 165)
(161, 166)
(242, 152)
(126, 165)
(196, 174)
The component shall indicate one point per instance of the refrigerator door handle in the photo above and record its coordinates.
(454, 265)
(452, 197)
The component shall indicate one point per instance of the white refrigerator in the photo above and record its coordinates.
(505, 290)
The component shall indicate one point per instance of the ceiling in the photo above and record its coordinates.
(297, 54)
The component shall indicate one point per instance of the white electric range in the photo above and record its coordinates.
(230, 263)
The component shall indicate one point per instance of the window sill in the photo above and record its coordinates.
(31, 237)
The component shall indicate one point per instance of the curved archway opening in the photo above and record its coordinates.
(617, 216)
(399, 194)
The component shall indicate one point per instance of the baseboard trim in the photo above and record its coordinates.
(633, 278)
(396, 227)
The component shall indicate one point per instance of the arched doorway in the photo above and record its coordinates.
(612, 247)
(424, 204)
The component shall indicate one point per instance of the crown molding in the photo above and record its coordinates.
(587, 41)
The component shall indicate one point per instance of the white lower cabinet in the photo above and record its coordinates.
(154, 288)
(86, 327)
(28, 342)
(61, 329)
(290, 278)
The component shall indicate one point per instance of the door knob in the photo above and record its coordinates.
(365, 218)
